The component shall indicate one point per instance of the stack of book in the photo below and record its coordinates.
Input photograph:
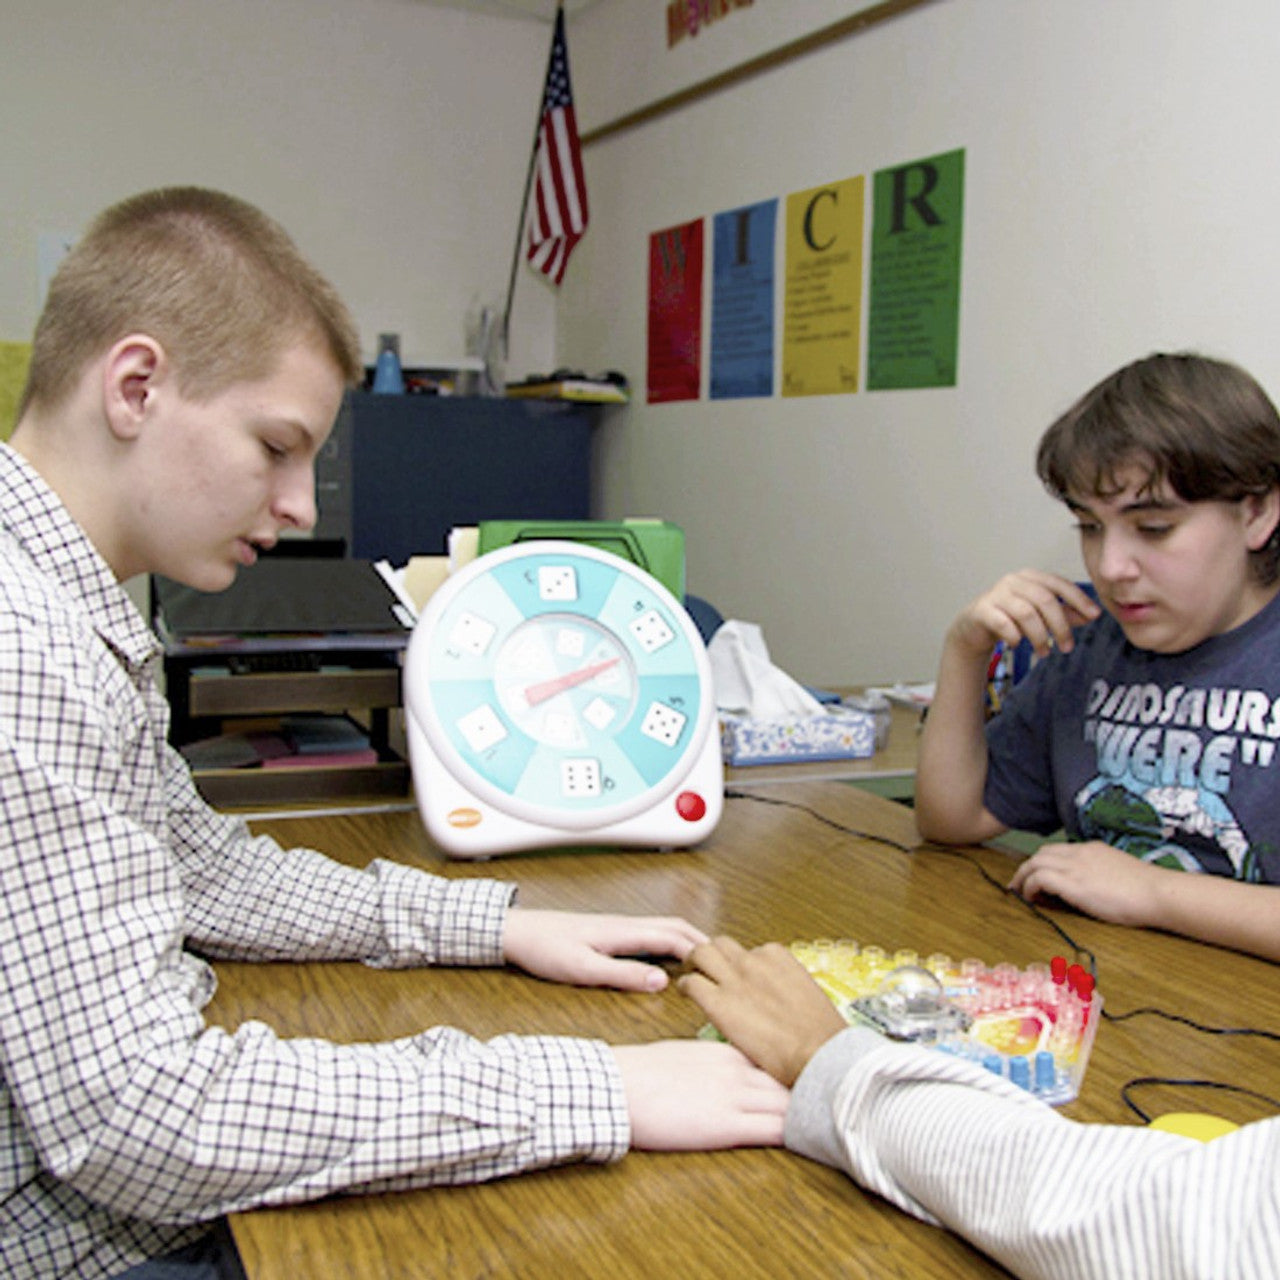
(305, 741)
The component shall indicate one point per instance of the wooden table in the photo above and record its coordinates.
(772, 870)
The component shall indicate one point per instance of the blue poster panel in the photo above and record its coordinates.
(742, 302)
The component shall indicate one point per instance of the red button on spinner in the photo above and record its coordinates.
(691, 806)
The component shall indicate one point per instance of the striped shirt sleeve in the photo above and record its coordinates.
(1048, 1197)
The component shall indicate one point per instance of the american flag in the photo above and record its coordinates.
(558, 210)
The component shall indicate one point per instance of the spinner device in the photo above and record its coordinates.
(556, 694)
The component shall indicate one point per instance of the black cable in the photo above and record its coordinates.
(1148, 1010)
(820, 817)
(845, 829)
(1142, 1081)
(1078, 949)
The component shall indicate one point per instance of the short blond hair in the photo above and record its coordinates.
(219, 284)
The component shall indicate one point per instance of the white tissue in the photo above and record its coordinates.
(747, 683)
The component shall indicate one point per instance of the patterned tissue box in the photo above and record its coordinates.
(838, 733)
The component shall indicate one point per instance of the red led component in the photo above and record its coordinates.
(1058, 969)
(691, 806)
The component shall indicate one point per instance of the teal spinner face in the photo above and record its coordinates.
(564, 679)
(561, 686)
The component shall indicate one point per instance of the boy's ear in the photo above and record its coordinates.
(1263, 517)
(130, 375)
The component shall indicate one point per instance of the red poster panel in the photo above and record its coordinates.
(675, 313)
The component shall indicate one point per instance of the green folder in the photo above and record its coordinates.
(656, 546)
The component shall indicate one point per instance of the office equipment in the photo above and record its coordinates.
(556, 694)
(398, 472)
(282, 596)
(770, 871)
(298, 637)
(207, 693)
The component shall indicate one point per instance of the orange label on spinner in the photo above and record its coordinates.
(464, 818)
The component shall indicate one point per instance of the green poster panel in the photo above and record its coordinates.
(913, 318)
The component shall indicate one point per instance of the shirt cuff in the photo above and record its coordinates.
(579, 1099)
(810, 1125)
(433, 920)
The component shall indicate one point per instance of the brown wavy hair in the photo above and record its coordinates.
(1204, 427)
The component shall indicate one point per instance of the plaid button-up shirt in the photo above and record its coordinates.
(125, 1121)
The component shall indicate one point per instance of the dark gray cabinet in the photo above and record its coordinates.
(400, 471)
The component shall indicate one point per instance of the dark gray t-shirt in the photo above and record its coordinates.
(1172, 757)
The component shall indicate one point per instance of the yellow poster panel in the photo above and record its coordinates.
(14, 358)
(822, 306)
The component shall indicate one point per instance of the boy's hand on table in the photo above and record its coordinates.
(596, 950)
(763, 1001)
(1096, 878)
(699, 1095)
(1039, 607)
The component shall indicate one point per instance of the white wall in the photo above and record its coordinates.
(391, 138)
(1120, 196)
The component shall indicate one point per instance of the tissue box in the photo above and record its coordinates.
(840, 733)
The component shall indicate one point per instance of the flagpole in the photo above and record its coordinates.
(524, 204)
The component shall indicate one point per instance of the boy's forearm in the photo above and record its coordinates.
(952, 767)
(1227, 913)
